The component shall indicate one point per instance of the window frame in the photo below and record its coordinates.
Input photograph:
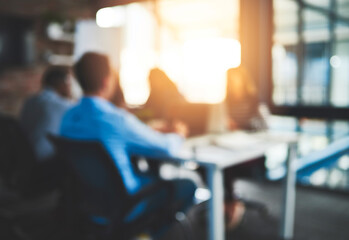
(299, 110)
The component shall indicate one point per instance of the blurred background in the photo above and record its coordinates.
(296, 51)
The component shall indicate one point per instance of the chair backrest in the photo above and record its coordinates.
(17, 159)
(98, 188)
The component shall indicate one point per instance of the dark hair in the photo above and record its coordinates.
(159, 80)
(55, 76)
(90, 70)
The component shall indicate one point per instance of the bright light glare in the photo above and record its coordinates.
(202, 194)
(205, 64)
(134, 74)
(335, 177)
(319, 142)
(335, 61)
(111, 17)
(279, 51)
(343, 162)
(54, 31)
(273, 159)
(319, 177)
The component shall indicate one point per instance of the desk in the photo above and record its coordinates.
(218, 151)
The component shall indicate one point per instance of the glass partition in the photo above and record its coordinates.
(284, 52)
(310, 55)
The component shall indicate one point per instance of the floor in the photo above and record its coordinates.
(320, 215)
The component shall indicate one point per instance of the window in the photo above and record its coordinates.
(310, 78)
(315, 81)
(194, 42)
(340, 72)
(310, 58)
(285, 62)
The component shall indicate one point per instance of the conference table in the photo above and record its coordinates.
(215, 152)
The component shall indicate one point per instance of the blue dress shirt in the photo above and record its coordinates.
(121, 133)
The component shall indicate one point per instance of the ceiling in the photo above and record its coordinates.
(69, 8)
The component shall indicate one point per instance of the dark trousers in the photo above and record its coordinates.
(252, 169)
(46, 176)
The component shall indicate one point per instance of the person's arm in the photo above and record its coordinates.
(143, 140)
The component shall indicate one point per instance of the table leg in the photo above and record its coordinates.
(216, 213)
(289, 196)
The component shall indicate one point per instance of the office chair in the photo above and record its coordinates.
(17, 164)
(96, 190)
(17, 159)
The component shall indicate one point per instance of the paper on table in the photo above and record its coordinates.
(235, 141)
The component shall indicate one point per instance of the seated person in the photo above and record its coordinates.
(42, 114)
(167, 110)
(162, 98)
(163, 93)
(243, 114)
(121, 133)
(242, 101)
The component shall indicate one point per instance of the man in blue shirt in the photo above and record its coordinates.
(121, 133)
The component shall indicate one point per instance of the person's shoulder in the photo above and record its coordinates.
(97, 107)
(119, 117)
(103, 110)
(32, 101)
(116, 114)
(109, 108)
(73, 107)
(33, 98)
(70, 111)
(65, 103)
(109, 118)
(55, 98)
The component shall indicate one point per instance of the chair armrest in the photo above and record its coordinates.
(162, 214)
(150, 190)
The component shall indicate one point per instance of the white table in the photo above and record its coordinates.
(216, 152)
